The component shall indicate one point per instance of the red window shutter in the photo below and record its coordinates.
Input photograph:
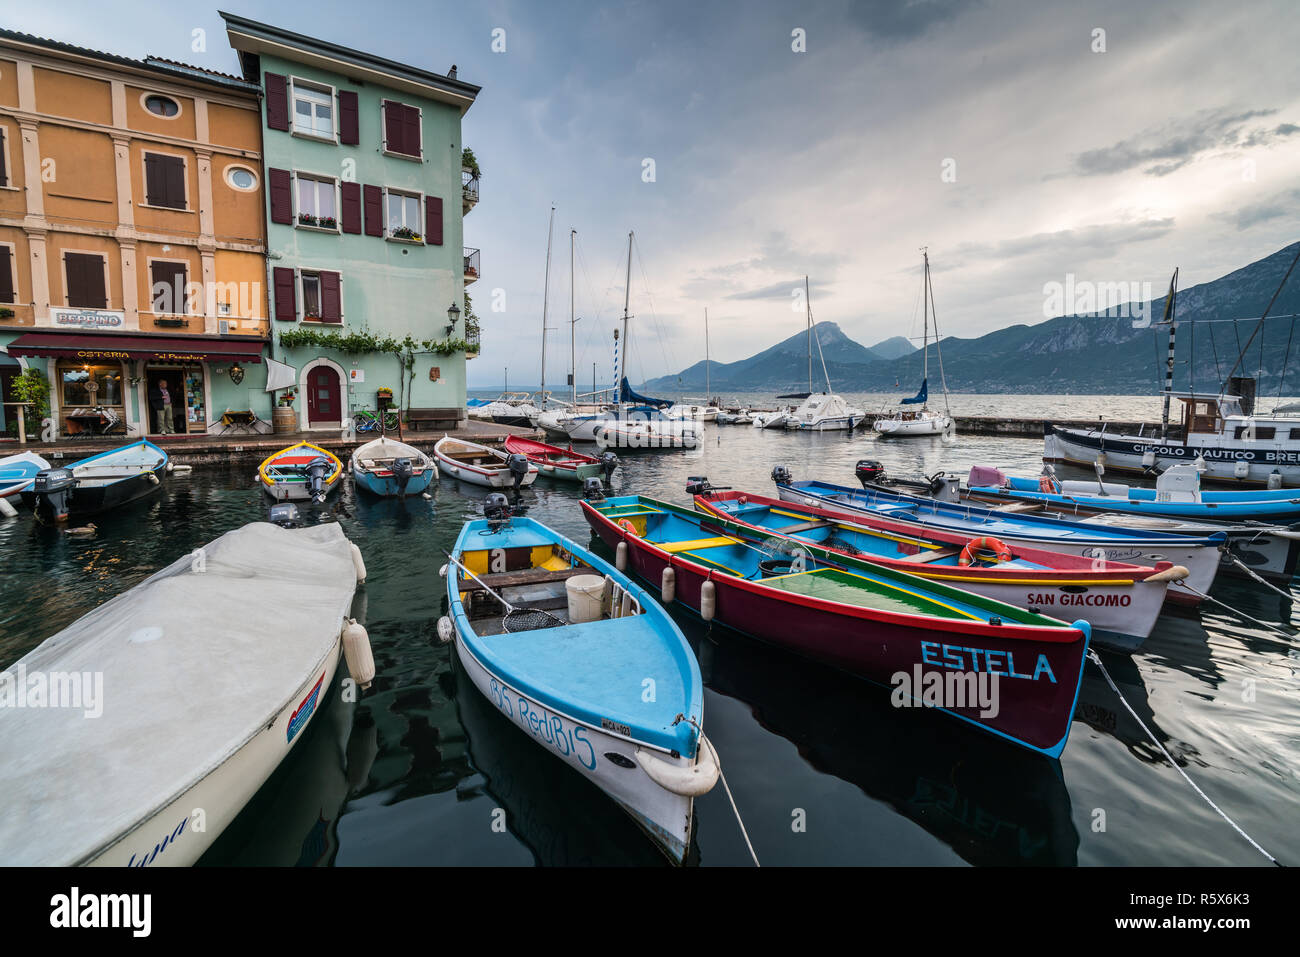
(374, 204)
(433, 220)
(393, 126)
(351, 207)
(277, 102)
(349, 120)
(286, 304)
(411, 130)
(331, 300)
(6, 276)
(281, 196)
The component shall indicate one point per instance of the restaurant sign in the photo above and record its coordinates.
(87, 318)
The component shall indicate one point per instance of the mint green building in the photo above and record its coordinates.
(365, 203)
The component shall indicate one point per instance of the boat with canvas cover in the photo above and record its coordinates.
(391, 469)
(1198, 554)
(1121, 601)
(889, 627)
(178, 703)
(302, 472)
(481, 465)
(561, 642)
(18, 472)
(557, 463)
(98, 484)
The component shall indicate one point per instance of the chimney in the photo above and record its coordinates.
(451, 74)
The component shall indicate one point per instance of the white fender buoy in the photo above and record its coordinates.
(7, 510)
(446, 630)
(708, 600)
(1175, 573)
(689, 781)
(1274, 480)
(179, 469)
(1241, 470)
(153, 477)
(442, 572)
(358, 563)
(1148, 459)
(620, 557)
(668, 585)
(357, 653)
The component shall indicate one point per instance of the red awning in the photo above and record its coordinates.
(122, 346)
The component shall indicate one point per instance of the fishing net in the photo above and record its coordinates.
(530, 619)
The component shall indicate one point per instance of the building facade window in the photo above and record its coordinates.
(160, 105)
(168, 287)
(403, 134)
(84, 280)
(321, 295)
(164, 181)
(8, 274)
(404, 217)
(310, 296)
(4, 158)
(92, 397)
(241, 178)
(316, 202)
(313, 110)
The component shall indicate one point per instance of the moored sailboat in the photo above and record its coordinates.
(923, 421)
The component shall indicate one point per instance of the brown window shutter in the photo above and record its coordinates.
(281, 196)
(92, 277)
(286, 305)
(6, 276)
(411, 130)
(374, 204)
(349, 120)
(350, 213)
(393, 126)
(174, 178)
(4, 172)
(433, 220)
(172, 299)
(72, 277)
(331, 300)
(277, 102)
(155, 187)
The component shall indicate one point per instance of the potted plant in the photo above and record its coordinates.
(385, 396)
(6, 313)
(405, 232)
(469, 161)
(327, 222)
(306, 219)
(287, 398)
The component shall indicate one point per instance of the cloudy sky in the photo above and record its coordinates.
(999, 134)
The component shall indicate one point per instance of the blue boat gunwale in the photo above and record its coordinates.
(145, 443)
(1035, 526)
(1260, 505)
(681, 738)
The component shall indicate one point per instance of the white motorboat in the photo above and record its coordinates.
(482, 465)
(645, 431)
(911, 423)
(824, 412)
(18, 472)
(771, 420)
(162, 711)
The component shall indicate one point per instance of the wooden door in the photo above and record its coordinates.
(323, 396)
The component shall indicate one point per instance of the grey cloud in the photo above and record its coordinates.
(904, 19)
(1243, 217)
(1174, 145)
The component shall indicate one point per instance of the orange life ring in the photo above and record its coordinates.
(988, 544)
(627, 526)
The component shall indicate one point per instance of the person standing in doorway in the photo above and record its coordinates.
(160, 400)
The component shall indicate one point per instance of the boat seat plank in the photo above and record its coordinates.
(1020, 507)
(531, 576)
(802, 527)
(931, 555)
(674, 547)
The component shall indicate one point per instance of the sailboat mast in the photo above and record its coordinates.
(808, 315)
(821, 355)
(1170, 317)
(708, 388)
(546, 291)
(573, 349)
(623, 349)
(925, 307)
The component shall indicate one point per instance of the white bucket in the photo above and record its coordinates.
(585, 597)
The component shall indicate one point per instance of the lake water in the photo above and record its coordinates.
(823, 770)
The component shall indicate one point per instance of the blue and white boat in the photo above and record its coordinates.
(1199, 554)
(1177, 494)
(586, 664)
(17, 472)
(97, 484)
(392, 469)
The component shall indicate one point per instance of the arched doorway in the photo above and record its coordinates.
(324, 398)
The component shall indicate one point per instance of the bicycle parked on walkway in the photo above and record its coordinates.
(367, 421)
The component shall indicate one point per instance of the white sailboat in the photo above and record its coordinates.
(819, 411)
(924, 421)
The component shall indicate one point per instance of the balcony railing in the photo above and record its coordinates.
(471, 265)
(468, 189)
(471, 340)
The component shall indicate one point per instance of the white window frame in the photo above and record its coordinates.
(383, 133)
(323, 89)
(234, 167)
(300, 274)
(320, 179)
(144, 105)
(419, 214)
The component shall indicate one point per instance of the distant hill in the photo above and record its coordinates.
(1088, 353)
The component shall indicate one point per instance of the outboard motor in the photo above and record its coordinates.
(608, 462)
(286, 515)
(781, 475)
(53, 490)
(698, 485)
(317, 470)
(946, 488)
(592, 489)
(518, 465)
(496, 509)
(402, 471)
(868, 471)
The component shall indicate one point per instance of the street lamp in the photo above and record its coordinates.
(452, 315)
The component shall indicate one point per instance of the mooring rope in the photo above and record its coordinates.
(1267, 584)
(1289, 643)
(1096, 659)
(734, 810)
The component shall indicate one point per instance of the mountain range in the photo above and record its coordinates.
(1081, 353)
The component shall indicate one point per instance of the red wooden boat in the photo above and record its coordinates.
(556, 462)
(926, 640)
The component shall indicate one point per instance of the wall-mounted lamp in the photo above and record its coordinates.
(452, 315)
(236, 373)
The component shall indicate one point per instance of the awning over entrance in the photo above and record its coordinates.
(122, 346)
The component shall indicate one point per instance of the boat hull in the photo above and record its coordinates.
(1033, 711)
(386, 486)
(18, 472)
(89, 501)
(632, 435)
(843, 423)
(912, 428)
